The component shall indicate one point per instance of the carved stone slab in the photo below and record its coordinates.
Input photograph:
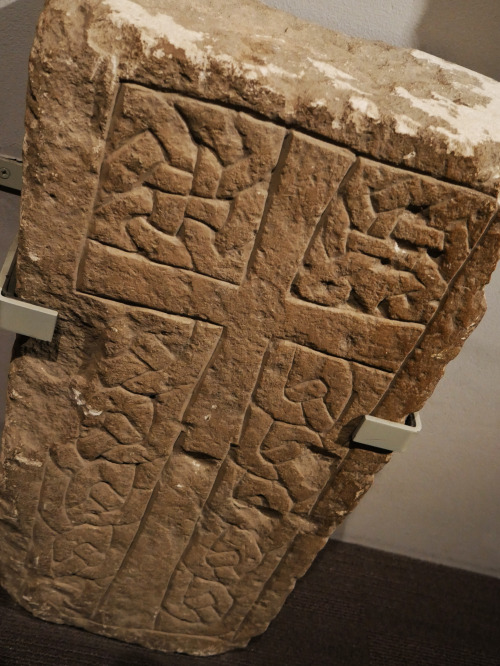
(255, 232)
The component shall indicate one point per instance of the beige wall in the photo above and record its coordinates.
(439, 501)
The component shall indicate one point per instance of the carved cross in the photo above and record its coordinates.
(308, 275)
(261, 308)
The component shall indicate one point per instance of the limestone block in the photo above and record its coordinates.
(255, 232)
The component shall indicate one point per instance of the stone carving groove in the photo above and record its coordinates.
(235, 291)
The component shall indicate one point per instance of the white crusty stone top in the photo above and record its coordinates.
(403, 106)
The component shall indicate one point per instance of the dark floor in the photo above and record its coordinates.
(356, 606)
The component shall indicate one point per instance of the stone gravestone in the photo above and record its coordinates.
(255, 231)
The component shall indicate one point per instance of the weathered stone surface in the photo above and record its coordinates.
(254, 234)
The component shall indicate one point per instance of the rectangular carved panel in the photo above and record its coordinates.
(237, 285)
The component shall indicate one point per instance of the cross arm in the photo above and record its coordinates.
(371, 340)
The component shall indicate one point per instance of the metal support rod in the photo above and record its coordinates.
(11, 173)
(387, 435)
(16, 315)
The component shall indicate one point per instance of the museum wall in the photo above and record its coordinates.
(440, 500)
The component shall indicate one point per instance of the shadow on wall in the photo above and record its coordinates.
(466, 32)
(18, 19)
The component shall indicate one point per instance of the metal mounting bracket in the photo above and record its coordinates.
(387, 435)
(11, 173)
(16, 315)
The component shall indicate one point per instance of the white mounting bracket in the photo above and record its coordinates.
(11, 173)
(16, 315)
(387, 435)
